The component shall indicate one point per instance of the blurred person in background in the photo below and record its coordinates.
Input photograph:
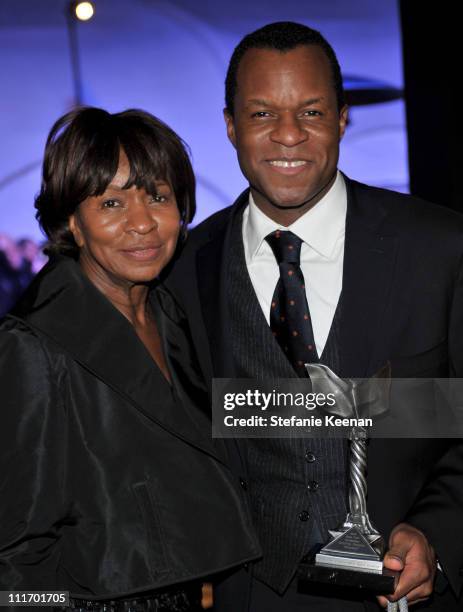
(111, 486)
(33, 257)
(11, 262)
(19, 263)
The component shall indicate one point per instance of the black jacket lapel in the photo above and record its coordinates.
(66, 307)
(369, 259)
(212, 269)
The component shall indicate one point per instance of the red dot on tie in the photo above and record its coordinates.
(290, 247)
(275, 333)
(300, 363)
(273, 304)
(306, 317)
(310, 347)
(290, 272)
(277, 234)
(291, 302)
(295, 333)
(282, 318)
(302, 286)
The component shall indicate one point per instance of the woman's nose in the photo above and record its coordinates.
(141, 218)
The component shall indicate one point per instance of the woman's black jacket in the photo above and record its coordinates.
(109, 484)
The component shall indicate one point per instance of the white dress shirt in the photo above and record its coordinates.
(322, 231)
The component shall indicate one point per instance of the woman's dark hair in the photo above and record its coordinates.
(281, 36)
(82, 157)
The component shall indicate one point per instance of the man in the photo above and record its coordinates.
(378, 279)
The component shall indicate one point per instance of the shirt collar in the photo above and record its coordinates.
(320, 227)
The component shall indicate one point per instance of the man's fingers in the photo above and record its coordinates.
(382, 601)
(414, 590)
(416, 582)
(411, 554)
(414, 577)
(394, 560)
(415, 595)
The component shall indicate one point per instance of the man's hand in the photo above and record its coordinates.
(411, 554)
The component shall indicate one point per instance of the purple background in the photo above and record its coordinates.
(170, 58)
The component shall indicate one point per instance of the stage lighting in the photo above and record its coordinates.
(84, 10)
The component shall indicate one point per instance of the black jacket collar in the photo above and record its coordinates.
(67, 308)
(369, 259)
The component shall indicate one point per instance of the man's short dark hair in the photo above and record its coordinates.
(281, 36)
(82, 157)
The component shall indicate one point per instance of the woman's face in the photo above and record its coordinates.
(126, 236)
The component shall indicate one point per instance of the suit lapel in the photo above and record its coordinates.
(369, 260)
(65, 306)
(211, 272)
(212, 264)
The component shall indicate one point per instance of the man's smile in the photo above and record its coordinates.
(288, 167)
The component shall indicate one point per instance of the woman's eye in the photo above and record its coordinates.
(110, 203)
(159, 198)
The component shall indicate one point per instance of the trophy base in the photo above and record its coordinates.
(383, 583)
(375, 566)
(350, 560)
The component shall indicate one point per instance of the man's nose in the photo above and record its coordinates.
(141, 218)
(288, 131)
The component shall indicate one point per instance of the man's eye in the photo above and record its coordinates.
(260, 114)
(110, 203)
(312, 113)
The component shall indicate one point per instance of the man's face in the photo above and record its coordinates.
(286, 128)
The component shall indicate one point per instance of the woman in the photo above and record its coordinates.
(111, 486)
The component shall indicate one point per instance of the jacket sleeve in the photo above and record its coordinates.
(32, 466)
(438, 511)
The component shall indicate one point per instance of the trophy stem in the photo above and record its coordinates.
(358, 514)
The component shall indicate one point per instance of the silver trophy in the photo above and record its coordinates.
(353, 556)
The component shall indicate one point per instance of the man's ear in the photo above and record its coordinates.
(229, 122)
(343, 118)
(75, 230)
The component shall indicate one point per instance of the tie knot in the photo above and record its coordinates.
(286, 246)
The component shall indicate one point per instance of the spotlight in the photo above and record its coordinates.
(84, 10)
(77, 11)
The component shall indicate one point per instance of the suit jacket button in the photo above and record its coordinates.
(310, 457)
(243, 484)
(303, 516)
